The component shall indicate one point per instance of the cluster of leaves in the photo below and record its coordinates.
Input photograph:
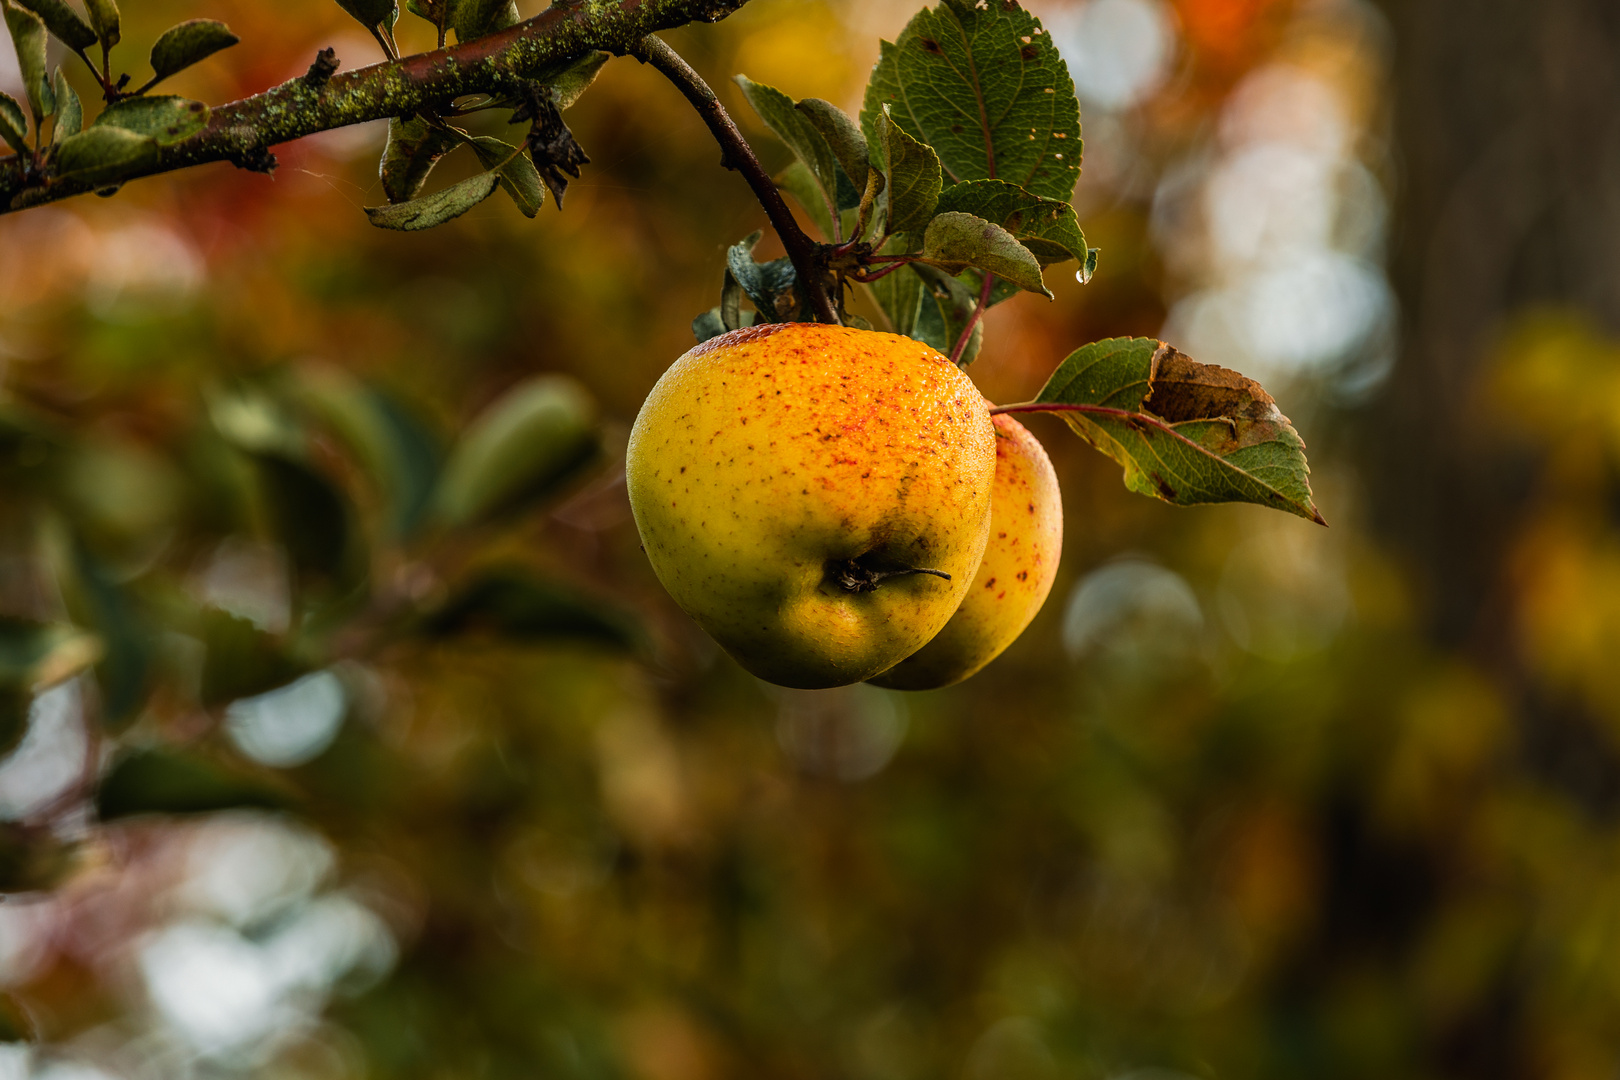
(951, 195)
(130, 133)
(349, 484)
(955, 180)
(544, 160)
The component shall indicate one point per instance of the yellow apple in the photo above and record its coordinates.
(1020, 561)
(816, 497)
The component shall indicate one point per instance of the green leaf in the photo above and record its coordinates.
(241, 660)
(69, 113)
(928, 304)
(574, 78)
(515, 604)
(437, 208)
(731, 312)
(412, 151)
(161, 781)
(392, 446)
(911, 173)
(255, 422)
(64, 23)
(771, 286)
(187, 43)
(371, 14)
(899, 294)
(13, 124)
(1046, 227)
(473, 19)
(982, 84)
(125, 667)
(1185, 432)
(104, 17)
(15, 703)
(61, 20)
(416, 457)
(526, 446)
(946, 309)
(518, 175)
(797, 181)
(843, 136)
(708, 325)
(726, 317)
(102, 154)
(796, 129)
(32, 859)
(309, 515)
(307, 512)
(29, 38)
(956, 241)
(1089, 268)
(36, 655)
(166, 119)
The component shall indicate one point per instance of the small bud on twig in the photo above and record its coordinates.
(324, 67)
(254, 159)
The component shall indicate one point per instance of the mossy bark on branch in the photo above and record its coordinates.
(243, 131)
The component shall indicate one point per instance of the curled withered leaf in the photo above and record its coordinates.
(1185, 432)
(1184, 389)
(551, 145)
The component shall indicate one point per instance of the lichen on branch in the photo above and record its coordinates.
(242, 132)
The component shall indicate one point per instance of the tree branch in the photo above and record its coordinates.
(737, 154)
(243, 131)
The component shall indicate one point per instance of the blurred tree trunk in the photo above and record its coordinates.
(1508, 142)
(1507, 137)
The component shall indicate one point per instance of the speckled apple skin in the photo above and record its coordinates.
(1020, 563)
(765, 454)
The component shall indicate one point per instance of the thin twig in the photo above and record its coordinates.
(738, 155)
(867, 279)
(973, 320)
(101, 78)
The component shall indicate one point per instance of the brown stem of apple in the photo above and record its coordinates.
(852, 575)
